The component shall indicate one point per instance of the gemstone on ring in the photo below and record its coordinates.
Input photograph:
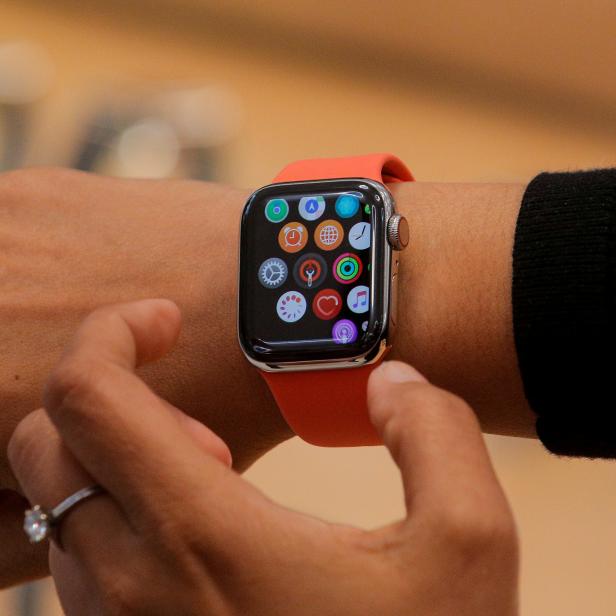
(37, 524)
(41, 524)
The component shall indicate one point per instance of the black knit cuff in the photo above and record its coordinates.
(564, 309)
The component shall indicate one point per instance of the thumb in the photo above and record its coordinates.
(432, 435)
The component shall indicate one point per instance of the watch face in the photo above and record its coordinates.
(312, 271)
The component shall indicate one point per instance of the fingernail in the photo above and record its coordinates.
(399, 372)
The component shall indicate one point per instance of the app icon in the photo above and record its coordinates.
(311, 208)
(344, 332)
(328, 235)
(293, 237)
(276, 210)
(347, 206)
(359, 236)
(310, 270)
(327, 304)
(358, 299)
(364, 325)
(291, 306)
(273, 272)
(347, 268)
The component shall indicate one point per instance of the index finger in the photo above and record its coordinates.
(121, 432)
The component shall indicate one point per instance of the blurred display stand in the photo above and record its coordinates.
(173, 130)
(26, 75)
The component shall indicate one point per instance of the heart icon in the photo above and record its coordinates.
(327, 304)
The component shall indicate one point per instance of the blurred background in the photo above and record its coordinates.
(231, 91)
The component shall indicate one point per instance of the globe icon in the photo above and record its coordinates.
(329, 235)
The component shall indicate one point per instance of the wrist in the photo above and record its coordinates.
(454, 307)
(210, 378)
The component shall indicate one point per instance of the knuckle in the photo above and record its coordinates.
(120, 594)
(104, 317)
(168, 532)
(480, 532)
(73, 382)
(24, 445)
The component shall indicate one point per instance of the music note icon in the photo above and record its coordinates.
(358, 299)
(361, 299)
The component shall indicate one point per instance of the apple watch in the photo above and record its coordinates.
(317, 289)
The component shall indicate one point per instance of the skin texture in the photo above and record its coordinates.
(170, 490)
(71, 242)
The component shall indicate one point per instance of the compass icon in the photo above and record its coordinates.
(273, 272)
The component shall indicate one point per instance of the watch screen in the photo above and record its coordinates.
(307, 259)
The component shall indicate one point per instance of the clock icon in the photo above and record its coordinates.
(359, 235)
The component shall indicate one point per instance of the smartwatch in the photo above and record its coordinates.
(318, 282)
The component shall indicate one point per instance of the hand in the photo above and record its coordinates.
(71, 242)
(175, 513)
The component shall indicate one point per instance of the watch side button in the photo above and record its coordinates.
(393, 308)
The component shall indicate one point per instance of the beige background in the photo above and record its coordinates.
(481, 92)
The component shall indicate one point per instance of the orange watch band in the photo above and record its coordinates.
(328, 407)
(384, 168)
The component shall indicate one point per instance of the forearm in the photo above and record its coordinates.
(78, 241)
(74, 241)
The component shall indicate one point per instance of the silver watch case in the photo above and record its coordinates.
(389, 271)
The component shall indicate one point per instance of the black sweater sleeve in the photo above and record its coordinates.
(564, 309)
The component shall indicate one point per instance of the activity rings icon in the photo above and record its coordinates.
(347, 268)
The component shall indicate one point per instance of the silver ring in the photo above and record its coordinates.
(41, 524)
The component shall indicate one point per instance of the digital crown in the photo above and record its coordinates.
(398, 232)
